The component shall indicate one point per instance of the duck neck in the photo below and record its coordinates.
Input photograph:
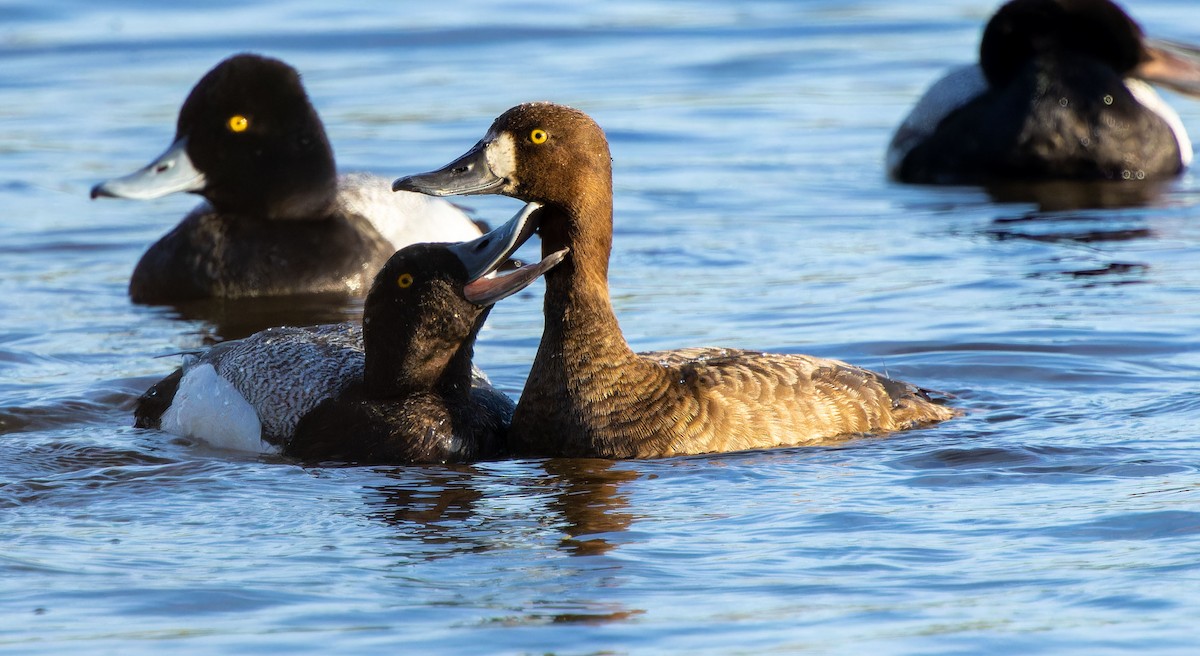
(307, 188)
(581, 329)
(405, 367)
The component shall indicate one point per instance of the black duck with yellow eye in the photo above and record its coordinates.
(277, 218)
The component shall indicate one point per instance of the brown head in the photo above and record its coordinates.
(544, 153)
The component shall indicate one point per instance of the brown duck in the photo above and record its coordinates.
(588, 393)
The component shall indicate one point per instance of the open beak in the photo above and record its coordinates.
(171, 172)
(1173, 65)
(483, 255)
(472, 173)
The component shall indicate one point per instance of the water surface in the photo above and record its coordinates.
(1061, 514)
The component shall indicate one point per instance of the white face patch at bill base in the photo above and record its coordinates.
(207, 407)
(501, 156)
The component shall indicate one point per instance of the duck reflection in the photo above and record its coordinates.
(463, 507)
(1079, 228)
(588, 498)
(1064, 195)
(1081, 213)
(1074, 227)
(436, 505)
(446, 511)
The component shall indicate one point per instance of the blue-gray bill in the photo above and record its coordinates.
(170, 172)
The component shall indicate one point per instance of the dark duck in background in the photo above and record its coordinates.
(277, 218)
(1060, 93)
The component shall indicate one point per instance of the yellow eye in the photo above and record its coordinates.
(238, 123)
(538, 136)
(405, 280)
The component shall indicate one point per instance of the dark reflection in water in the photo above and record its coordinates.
(443, 505)
(588, 497)
(446, 512)
(436, 505)
(240, 317)
(1061, 196)
(1026, 465)
(1080, 228)
(1139, 527)
(1079, 225)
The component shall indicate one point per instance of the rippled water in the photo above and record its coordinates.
(1061, 514)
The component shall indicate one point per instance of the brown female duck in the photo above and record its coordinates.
(588, 393)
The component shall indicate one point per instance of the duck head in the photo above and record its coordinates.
(429, 301)
(1099, 30)
(249, 141)
(539, 152)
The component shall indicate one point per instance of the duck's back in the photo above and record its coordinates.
(218, 254)
(706, 400)
(212, 254)
(257, 388)
(799, 397)
(251, 394)
(286, 372)
(1062, 118)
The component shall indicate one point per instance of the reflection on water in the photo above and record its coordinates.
(1072, 227)
(436, 505)
(449, 507)
(1060, 196)
(1082, 224)
(587, 495)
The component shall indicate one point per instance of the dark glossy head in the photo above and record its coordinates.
(249, 141)
(429, 301)
(1025, 29)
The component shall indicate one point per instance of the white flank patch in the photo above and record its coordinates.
(959, 87)
(403, 217)
(1149, 98)
(207, 407)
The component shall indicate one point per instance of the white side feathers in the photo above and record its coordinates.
(207, 407)
(403, 217)
(249, 394)
(283, 373)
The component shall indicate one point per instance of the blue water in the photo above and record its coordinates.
(1061, 514)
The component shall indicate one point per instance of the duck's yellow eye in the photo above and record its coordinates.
(238, 123)
(405, 280)
(538, 136)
